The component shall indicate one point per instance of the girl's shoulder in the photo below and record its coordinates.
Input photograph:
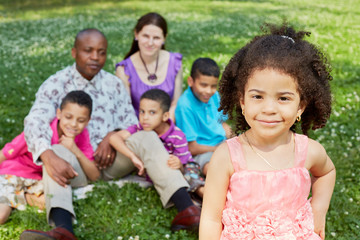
(316, 154)
(221, 158)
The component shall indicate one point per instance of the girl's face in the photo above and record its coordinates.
(271, 102)
(150, 40)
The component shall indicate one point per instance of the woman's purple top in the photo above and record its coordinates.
(138, 87)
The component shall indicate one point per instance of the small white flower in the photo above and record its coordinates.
(167, 236)
(119, 238)
(333, 234)
(351, 200)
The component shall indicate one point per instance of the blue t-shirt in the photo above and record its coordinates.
(201, 122)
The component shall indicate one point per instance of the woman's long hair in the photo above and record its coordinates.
(151, 18)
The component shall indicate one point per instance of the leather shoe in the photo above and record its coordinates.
(58, 233)
(187, 219)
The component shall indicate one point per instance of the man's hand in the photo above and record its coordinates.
(174, 162)
(105, 154)
(57, 168)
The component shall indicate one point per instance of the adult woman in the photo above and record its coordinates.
(148, 65)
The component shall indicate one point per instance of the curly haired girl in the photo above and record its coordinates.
(258, 183)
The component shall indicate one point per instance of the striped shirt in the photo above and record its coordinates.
(174, 141)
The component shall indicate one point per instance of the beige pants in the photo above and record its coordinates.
(146, 145)
(57, 196)
(149, 148)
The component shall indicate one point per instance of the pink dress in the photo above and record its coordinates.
(268, 204)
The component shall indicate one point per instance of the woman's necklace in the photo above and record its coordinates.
(267, 162)
(151, 77)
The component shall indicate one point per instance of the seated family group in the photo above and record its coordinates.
(87, 124)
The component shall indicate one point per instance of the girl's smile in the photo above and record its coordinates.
(271, 102)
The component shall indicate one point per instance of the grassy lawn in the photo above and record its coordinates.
(35, 42)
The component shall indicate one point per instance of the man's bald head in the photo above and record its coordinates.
(85, 32)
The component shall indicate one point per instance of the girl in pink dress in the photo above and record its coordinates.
(258, 183)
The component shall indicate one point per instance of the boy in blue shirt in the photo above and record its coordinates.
(197, 112)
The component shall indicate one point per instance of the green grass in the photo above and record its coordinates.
(35, 42)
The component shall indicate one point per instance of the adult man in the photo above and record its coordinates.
(112, 110)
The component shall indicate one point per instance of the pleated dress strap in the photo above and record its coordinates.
(236, 154)
(301, 149)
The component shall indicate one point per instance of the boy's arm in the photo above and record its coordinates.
(180, 147)
(196, 148)
(89, 167)
(228, 131)
(323, 182)
(117, 141)
(175, 163)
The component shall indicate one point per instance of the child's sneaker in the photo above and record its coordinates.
(192, 175)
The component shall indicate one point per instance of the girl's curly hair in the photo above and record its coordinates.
(283, 49)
